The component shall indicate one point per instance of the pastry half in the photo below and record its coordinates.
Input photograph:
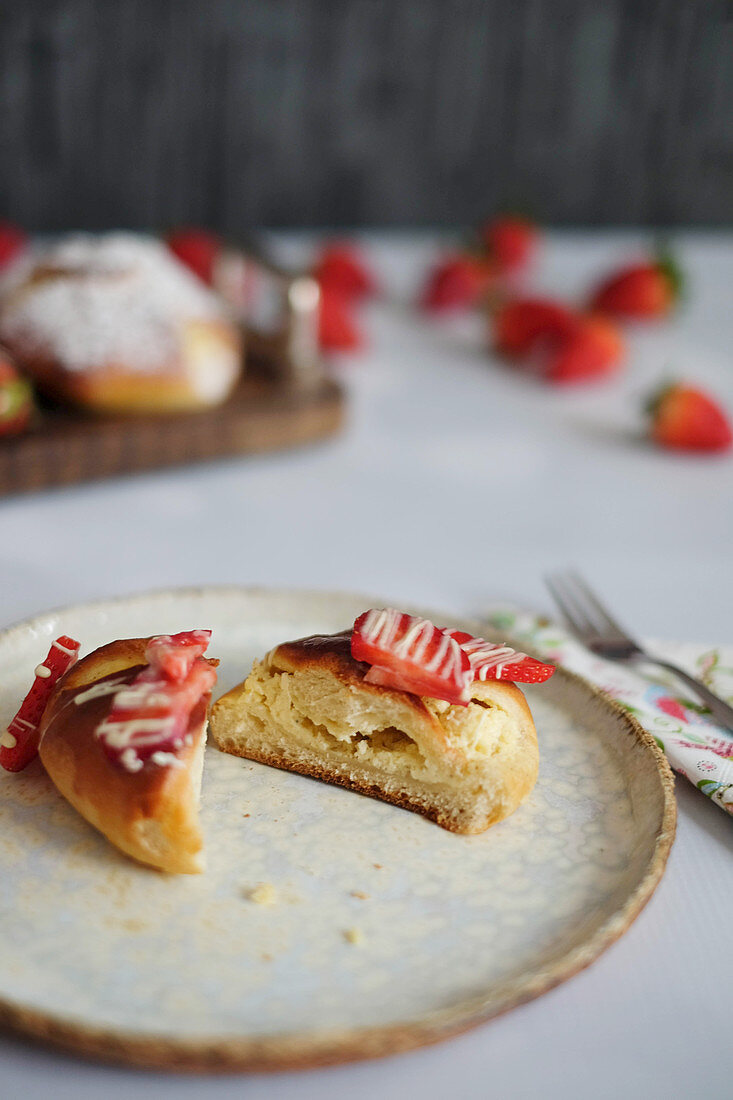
(150, 812)
(308, 707)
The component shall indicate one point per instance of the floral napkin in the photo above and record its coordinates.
(679, 723)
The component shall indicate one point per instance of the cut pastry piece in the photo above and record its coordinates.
(311, 707)
(123, 737)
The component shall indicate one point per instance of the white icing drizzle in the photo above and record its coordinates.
(166, 759)
(23, 722)
(135, 732)
(130, 761)
(63, 649)
(140, 695)
(8, 740)
(380, 628)
(42, 671)
(96, 691)
(486, 657)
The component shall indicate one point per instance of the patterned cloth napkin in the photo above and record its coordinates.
(695, 747)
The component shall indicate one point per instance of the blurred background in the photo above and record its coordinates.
(231, 114)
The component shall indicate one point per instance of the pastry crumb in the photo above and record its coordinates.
(359, 894)
(354, 936)
(264, 894)
(378, 866)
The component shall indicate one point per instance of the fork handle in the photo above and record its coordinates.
(720, 710)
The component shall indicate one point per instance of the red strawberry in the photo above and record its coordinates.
(198, 249)
(12, 242)
(456, 282)
(151, 713)
(337, 330)
(411, 654)
(174, 654)
(342, 268)
(20, 743)
(499, 662)
(590, 349)
(511, 242)
(520, 324)
(16, 399)
(644, 290)
(686, 418)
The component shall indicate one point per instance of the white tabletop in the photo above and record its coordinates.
(457, 484)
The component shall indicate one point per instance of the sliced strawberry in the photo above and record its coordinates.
(520, 324)
(337, 330)
(174, 654)
(590, 349)
(150, 715)
(13, 241)
(410, 654)
(456, 282)
(489, 661)
(342, 268)
(645, 290)
(19, 744)
(198, 249)
(688, 419)
(511, 242)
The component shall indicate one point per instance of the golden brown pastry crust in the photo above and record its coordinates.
(152, 814)
(506, 776)
(198, 356)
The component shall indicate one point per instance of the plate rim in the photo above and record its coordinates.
(312, 1049)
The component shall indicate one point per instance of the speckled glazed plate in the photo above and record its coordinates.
(383, 932)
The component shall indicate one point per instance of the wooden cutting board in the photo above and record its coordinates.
(67, 446)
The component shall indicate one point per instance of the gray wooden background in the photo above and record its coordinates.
(375, 112)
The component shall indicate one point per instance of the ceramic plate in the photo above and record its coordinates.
(382, 932)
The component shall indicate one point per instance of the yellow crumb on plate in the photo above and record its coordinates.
(264, 894)
(354, 936)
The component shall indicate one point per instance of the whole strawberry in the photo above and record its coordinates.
(342, 268)
(590, 349)
(685, 418)
(13, 241)
(520, 324)
(16, 399)
(640, 291)
(511, 243)
(198, 249)
(457, 281)
(337, 329)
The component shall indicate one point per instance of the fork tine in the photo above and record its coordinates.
(607, 623)
(574, 615)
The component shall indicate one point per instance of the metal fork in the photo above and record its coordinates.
(598, 631)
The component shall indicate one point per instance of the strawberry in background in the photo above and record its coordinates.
(458, 281)
(642, 291)
(13, 241)
(511, 243)
(198, 249)
(342, 268)
(16, 399)
(590, 350)
(561, 345)
(519, 324)
(686, 418)
(337, 327)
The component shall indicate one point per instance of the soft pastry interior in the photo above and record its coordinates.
(306, 707)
